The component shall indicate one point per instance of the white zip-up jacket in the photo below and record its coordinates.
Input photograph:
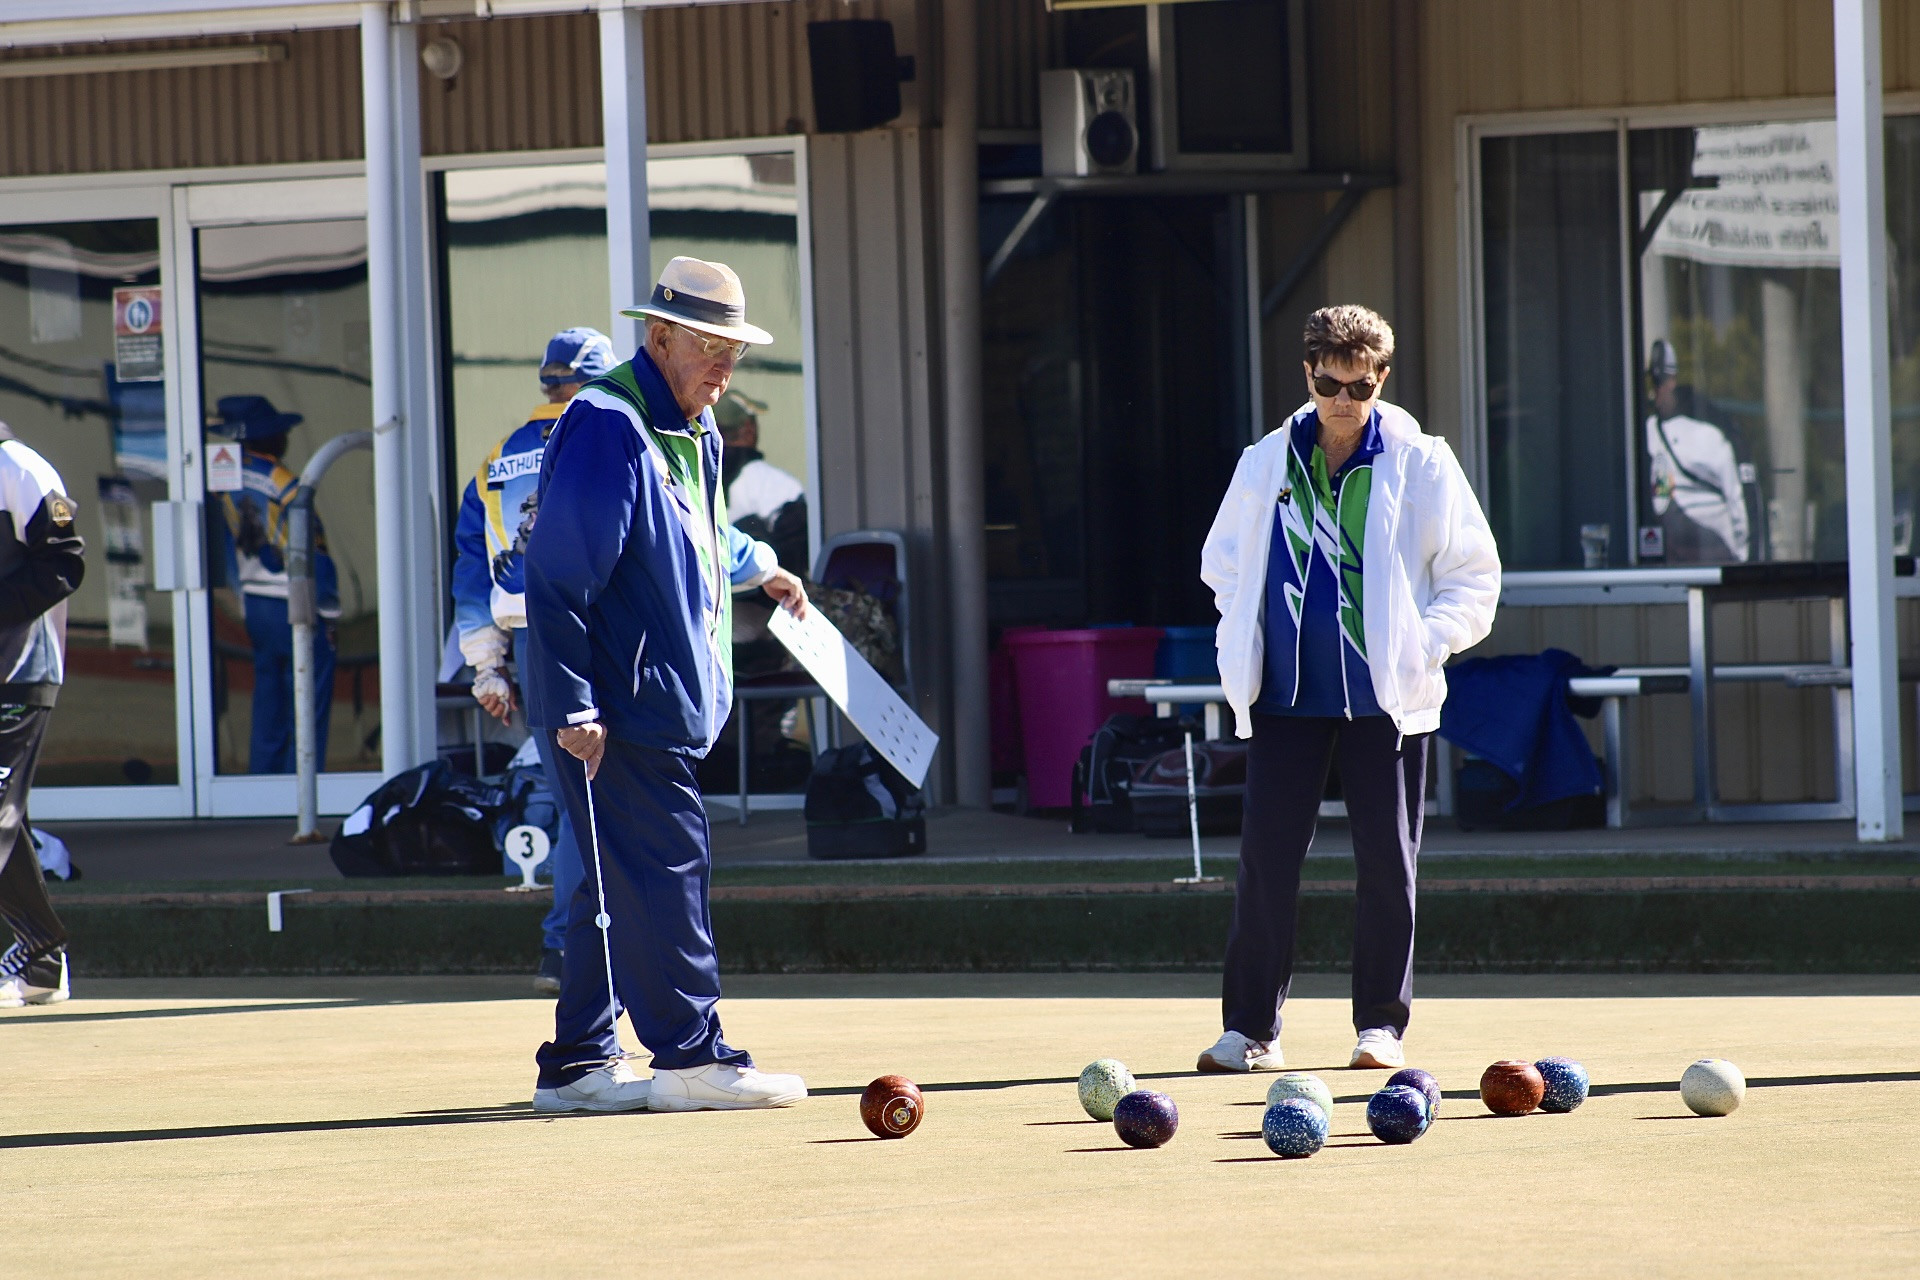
(1431, 578)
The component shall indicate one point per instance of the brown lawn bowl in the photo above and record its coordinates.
(1512, 1088)
(891, 1107)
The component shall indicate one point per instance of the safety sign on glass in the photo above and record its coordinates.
(860, 692)
(223, 466)
(138, 355)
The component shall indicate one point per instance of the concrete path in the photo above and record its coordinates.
(379, 1127)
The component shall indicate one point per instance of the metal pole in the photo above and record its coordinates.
(389, 413)
(623, 111)
(1863, 347)
(965, 448)
(303, 612)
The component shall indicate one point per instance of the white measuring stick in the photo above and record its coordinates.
(603, 922)
(1193, 809)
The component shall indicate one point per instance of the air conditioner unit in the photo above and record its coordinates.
(1087, 122)
(1229, 84)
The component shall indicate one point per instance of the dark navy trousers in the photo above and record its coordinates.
(1383, 779)
(656, 859)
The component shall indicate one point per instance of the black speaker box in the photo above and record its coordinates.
(856, 74)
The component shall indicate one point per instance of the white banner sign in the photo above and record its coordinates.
(862, 693)
(1777, 203)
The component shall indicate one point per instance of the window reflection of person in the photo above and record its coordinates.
(762, 500)
(1696, 478)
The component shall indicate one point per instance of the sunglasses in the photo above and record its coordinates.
(711, 346)
(1361, 391)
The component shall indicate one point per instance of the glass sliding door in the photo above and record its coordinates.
(278, 361)
(84, 382)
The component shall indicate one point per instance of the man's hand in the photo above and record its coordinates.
(491, 691)
(787, 592)
(585, 742)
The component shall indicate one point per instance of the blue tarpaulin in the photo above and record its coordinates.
(1513, 712)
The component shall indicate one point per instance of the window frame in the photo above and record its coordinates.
(1469, 131)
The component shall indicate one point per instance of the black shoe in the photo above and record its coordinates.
(547, 981)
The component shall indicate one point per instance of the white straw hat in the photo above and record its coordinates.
(702, 295)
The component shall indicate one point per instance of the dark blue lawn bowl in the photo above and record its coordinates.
(1428, 1087)
(1145, 1119)
(1294, 1127)
(1398, 1114)
(1566, 1084)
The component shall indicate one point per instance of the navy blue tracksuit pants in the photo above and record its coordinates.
(1383, 780)
(655, 855)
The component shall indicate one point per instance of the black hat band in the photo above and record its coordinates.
(702, 310)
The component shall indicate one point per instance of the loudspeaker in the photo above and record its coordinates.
(856, 74)
(1087, 122)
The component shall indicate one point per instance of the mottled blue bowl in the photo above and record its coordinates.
(1294, 1127)
(1566, 1084)
(1428, 1087)
(1398, 1114)
(1145, 1119)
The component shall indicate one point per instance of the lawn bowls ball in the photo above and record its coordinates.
(1145, 1119)
(1301, 1084)
(1398, 1114)
(1295, 1127)
(891, 1107)
(1103, 1084)
(1566, 1082)
(1512, 1088)
(1415, 1078)
(1712, 1087)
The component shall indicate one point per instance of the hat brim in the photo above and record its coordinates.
(737, 332)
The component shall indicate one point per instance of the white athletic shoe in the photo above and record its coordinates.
(611, 1088)
(1379, 1049)
(1235, 1052)
(44, 982)
(723, 1087)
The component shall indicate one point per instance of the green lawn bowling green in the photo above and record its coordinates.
(378, 1126)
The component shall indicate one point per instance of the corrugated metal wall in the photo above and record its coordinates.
(306, 108)
(1488, 56)
(875, 290)
(526, 84)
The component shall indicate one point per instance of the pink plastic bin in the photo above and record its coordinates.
(1062, 678)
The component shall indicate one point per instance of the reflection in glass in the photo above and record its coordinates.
(1554, 401)
(94, 406)
(285, 366)
(1739, 341)
(525, 256)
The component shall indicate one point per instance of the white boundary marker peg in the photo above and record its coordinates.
(527, 846)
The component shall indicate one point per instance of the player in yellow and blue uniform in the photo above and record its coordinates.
(254, 525)
(489, 591)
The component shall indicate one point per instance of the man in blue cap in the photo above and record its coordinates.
(630, 577)
(255, 528)
(489, 593)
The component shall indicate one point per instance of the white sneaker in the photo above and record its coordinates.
(610, 1088)
(1235, 1052)
(1379, 1049)
(43, 982)
(722, 1086)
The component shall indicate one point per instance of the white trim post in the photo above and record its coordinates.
(389, 105)
(1864, 363)
(969, 737)
(623, 112)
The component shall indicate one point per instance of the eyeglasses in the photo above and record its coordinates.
(711, 346)
(1361, 390)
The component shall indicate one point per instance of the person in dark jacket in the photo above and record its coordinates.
(629, 574)
(41, 565)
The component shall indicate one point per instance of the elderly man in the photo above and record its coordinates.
(629, 580)
(1349, 561)
(497, 515)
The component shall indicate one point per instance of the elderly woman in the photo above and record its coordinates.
(1349, 561)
